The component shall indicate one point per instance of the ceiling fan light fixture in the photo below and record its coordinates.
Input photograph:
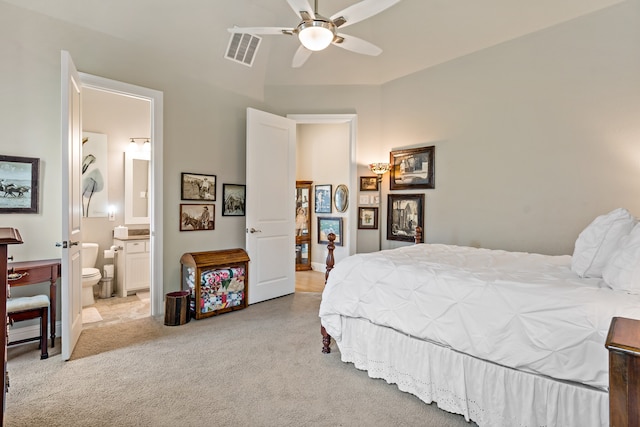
(315, 35)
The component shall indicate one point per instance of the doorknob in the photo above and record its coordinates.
(253, 230)
(65, 244)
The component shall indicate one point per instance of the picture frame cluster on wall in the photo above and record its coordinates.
(19, 178)
(410, 169)
(202, 188)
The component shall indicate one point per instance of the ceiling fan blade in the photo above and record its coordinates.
(362, 10)
(299, 6)
(261, 30)
(300, 57)
(354, 44)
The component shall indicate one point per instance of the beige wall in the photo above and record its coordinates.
(534, 137)
(204, 126)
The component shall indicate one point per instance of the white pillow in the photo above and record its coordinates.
(622, 272)
(597, 242)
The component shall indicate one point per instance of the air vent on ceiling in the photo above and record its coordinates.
(243, 48)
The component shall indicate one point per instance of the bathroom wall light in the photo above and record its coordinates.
(133, 145)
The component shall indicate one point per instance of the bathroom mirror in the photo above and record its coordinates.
(136, 187)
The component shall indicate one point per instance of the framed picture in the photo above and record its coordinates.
(195, 186)
(95, 179)
(368, 183)
(197, 216)
(341, 198)
(323, 198)
(327, 226)
(404, 213)
(368, 218)
(234, 196)
(19, 178)
(412, 168)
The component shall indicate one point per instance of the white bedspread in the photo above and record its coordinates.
(524, 311)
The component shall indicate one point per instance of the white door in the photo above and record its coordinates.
(71, 280)
(270, 205)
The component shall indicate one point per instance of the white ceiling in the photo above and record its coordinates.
(414, 34)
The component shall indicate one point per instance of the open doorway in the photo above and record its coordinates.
(327, 154)
(131, 118)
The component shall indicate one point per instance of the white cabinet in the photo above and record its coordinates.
(132, 265)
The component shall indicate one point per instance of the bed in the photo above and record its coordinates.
(502, 338)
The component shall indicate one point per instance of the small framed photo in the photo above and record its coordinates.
(195, 186)
(368, 218)
(19, 177)
(197, 217)
(327, 226)
(323, 198)
(412, 168)
(234, 196)
(404, 213)
(368, 183)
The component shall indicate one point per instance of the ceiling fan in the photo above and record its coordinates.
(316, 32)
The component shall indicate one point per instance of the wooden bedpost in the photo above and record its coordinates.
(326, 338)
(330, 260)
(418, 236)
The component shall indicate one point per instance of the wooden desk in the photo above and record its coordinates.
(623, 343)
(34, 272)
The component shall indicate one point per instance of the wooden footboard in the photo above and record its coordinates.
(326, 338)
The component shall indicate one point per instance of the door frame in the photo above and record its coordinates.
(155, 98)
(352, 121)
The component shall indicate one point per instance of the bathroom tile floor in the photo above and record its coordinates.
(117, 310)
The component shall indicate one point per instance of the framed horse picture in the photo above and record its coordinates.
(195, 186)
(19, 178)
(197, 217)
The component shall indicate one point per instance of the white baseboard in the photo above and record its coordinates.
(17, 333)
(318, 266)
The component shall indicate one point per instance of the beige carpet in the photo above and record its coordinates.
(261, 366)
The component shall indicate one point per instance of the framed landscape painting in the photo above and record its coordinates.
(327, 226)
(19, 184)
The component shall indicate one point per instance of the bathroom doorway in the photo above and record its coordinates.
(130, 118)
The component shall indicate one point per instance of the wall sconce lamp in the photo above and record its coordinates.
(379, 169)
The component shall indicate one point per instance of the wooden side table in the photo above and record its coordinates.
(623, 343)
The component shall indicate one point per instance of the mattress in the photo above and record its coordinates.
(524, 311)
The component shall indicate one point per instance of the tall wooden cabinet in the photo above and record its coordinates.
(8, 236)
(303, 225)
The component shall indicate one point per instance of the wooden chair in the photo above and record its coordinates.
(24, 308)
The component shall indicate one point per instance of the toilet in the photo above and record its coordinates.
(90, 275)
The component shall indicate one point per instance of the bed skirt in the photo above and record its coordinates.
(486, 393)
